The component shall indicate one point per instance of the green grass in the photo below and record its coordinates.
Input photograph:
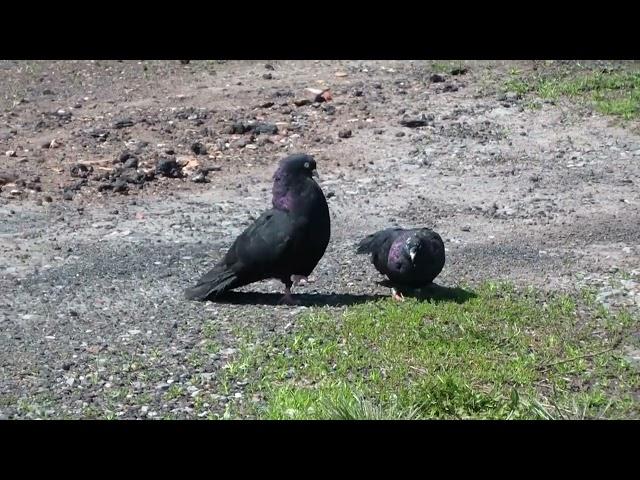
(614, 93)
(505, 354)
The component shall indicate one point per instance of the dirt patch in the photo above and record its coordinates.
(94, 258)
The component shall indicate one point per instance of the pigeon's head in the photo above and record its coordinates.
(412, 247)
(298, 165)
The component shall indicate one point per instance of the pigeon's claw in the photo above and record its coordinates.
(397, 295)
(288, 299)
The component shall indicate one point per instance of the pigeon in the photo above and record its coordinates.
(285, 242)
(408, 257)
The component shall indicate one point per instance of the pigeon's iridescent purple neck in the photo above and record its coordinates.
(282, 196)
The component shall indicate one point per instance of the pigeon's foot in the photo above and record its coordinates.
(288, 299)
(299, 280)
(397, 296)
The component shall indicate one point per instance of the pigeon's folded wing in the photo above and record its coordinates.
(264, 246)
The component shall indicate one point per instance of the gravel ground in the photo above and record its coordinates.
(123, 182)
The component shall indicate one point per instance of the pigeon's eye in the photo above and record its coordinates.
(306, 164)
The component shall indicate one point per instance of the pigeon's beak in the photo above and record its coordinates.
(316, 175)
(412, 254)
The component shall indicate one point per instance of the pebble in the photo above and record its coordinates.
(198, 148)
(123, 123)
(199, 177)
(346, 133)
(132, 162)
(120, 186)
(168, 167)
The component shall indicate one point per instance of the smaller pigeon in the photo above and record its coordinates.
(408, 257)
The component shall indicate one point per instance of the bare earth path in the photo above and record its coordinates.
(92, 319)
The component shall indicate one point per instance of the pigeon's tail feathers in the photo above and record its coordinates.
(368, 244)
(212, 284)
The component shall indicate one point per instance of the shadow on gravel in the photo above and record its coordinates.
(303, 299)
(432, 292)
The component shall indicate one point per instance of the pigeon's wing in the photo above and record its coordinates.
(263, 247)
(376, 242)
(429, 237)
(431, 258)
(260, 252)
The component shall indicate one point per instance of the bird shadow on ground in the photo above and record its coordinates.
(303, 299)
(433, 292)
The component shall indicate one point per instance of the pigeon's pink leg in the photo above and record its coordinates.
(397, 295)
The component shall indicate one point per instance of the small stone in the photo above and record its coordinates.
(241, 143)
(267, 76)
(268, 66)
(436, 78)
(459, 71)
(415, 122)
(400, 134)
(345, 133)
(124, 156)
(199, 177)
(237, 128)
(168, 167)
(132, 162)
(67, 195)
(10, 153)
(123, 123)
(329, 109)
(120, 186)
(302, 102)
(265, 128)
(198, 148)
(466, 228)
(81, 171)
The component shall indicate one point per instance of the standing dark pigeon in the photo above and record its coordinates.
(286, 242)
(409, 258)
